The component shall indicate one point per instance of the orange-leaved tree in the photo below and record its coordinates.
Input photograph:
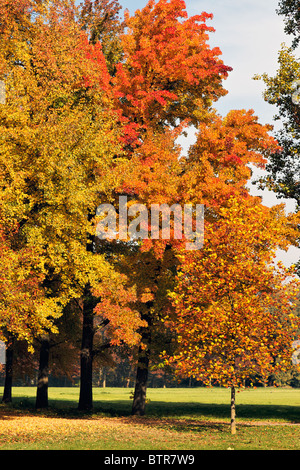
(168, 78)
(232, 273)
(234, 304)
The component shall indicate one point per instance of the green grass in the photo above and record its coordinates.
(176, 419)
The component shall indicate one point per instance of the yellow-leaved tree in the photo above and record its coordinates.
(59, 139)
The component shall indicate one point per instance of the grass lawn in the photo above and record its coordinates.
(176, 419)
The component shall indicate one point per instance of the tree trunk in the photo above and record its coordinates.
(232, 412)
(42, 386)
(86, 354)
(139, 399)
(7, 393)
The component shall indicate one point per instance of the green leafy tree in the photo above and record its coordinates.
(291, 12)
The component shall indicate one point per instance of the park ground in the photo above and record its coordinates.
(176, 419)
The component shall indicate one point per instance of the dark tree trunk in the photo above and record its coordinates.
(42, 386)
(140, 391)
(9, 354)
(86, 353)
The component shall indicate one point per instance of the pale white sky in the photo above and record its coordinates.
(249, 34)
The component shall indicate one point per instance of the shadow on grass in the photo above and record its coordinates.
(159, 410)
(199, 410)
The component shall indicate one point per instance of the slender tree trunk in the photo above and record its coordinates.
(42, 385)
(86, 354)
(139, 399)
(104, 378)
(7, 393)
(232, 412)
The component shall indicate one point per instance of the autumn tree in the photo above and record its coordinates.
(235, 307)
(169, 73)
(164, 82)
(101, 21)
(24, 307)
(227, 285)
(168, 77)
(217, 167)
(59, 139)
